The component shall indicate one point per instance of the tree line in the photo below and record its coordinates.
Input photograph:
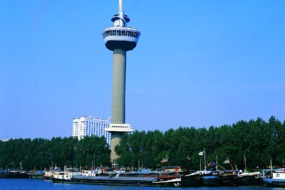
(246, 144)
(57, 152)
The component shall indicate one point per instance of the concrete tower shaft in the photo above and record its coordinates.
(119, 86)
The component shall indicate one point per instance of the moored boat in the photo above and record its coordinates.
(228, 178)
(151, 178)
(176, 182)
(211, 179)
(48, 175)
(4, 174)
(274, 177)
(118, 178)
(36, 174)
(65, 176)
(249, 178)
(191, 180)
(17, 174)
(169, 179)
(89, 173)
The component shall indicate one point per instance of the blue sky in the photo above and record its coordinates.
(198, 63)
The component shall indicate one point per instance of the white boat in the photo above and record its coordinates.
(89, 172)
(66, 175)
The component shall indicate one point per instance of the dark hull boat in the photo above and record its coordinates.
(247, 179)
(18, 174)
(228, 179)
(4, 174)
(200, 178)
(209, 178)
(191, 180)
(107, 180)
(167, 183)
(168, 179)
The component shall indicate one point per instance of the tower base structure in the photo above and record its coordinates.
(117, 132)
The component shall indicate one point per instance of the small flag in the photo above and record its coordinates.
(227, 161)
(201, 153)
(164, 160)
(212, 164)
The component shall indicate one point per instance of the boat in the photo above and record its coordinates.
(249, 178)
(121, 178)
(192, 180)
(169, 179)
(201, 178)
(89, 173)
(118, 178)
(168, 183)
(49, 173)
(17, 174)
(4, 174)
(66, 175)
(274, 177)
(228, 178)
(210, 178)
(36, 174)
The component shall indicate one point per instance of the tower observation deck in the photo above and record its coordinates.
(119, 38)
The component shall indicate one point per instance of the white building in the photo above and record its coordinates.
(88, 125)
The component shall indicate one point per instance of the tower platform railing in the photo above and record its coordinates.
(115, 127)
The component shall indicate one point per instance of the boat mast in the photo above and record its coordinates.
(204, 159)
(244, 158)
(271, 163)
(217, 164)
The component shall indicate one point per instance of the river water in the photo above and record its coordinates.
(37, 184)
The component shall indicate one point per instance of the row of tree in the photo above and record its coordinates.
(249, 144)
(57, 152)
(245, 144)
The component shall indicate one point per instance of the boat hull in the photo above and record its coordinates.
(228, 179)
(210, 180)
(17, 174)
(249, 180)
(125, 179)
(106, 180)
(191, 181)
(274, 182)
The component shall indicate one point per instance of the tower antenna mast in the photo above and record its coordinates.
(120, 6)
(122, 21)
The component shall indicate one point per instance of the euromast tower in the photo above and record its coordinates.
(119, 38)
